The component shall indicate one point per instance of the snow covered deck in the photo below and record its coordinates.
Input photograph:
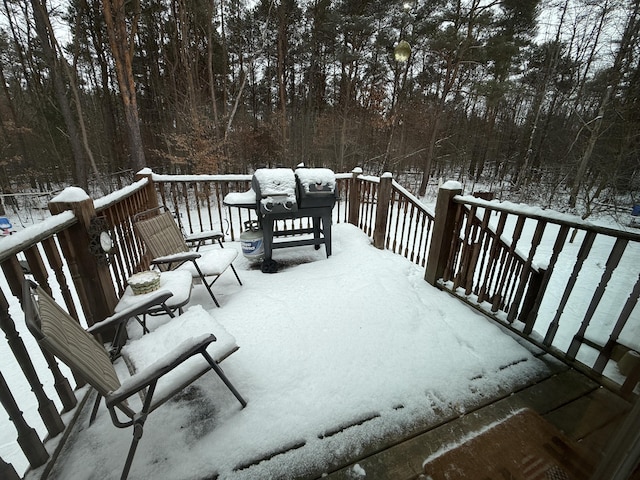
(342, 361)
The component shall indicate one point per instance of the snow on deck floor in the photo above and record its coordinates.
(324, 343)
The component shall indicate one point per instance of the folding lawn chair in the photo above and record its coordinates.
(158, 381)
(170, 249)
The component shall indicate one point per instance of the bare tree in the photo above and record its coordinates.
(615, 75)
(122, 32)
(57, 71)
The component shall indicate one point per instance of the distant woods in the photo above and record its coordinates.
(540, 95)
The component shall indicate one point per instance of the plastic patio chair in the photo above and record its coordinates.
(170, 249)
(56, 331)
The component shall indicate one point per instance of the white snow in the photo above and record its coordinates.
(118, 195)
(143, 278)
(452, 185)
(277, 187)
(323, 343)
(467, 437)
(316, 176)
(71, 194)
(240, 198)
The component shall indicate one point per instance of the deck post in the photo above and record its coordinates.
(91, 276)
(354, 197)
(151, 193)
(443, 231)
(382, 210)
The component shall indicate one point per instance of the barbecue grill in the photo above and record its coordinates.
(282, 194)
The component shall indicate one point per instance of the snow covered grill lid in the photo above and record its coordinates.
(316, 187)
(316, 180)
(275, 190)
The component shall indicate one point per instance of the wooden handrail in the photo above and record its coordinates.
(23, 239)
(536, 213)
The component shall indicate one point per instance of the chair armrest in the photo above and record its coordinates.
(152, 373)
(203, 236)
(157, 298)
(196, 240)
(176, 257)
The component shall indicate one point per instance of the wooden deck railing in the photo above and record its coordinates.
(63, 255)
(521, 266)
(477, 250)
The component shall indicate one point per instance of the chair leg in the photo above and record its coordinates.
(206, 284)
(94, 410)
(208, 287)
(235, 273)
(224, 378)
(137, 435)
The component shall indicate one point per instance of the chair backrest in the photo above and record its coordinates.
(161, 235)
(56, 331)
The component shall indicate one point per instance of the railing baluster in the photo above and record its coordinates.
(507, 268)
(28, 438)
(514, 273)
(474, 252)
(37, 268)
(424, 233)
(187, 206)
(61, 384)
(612, 263)
(55, 262)
(47, 409)
(208, 193)
(221, 190)
(629, 305)
(557, 248)
(494, 255)
(413, 232)
(465, 252)
(7, 472)
(406, 226)
(526, 270)
(583, 252)
(397, 241)
(196, 194)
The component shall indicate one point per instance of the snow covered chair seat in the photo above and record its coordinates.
(171, 250)
(166, 360)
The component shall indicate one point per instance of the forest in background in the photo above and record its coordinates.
(540, 96)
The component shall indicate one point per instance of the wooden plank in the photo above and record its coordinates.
(588, 414)
(520, 446)
(557, 390)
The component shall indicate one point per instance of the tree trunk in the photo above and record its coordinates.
(121, 42)
(282, 88)
(57, 73)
